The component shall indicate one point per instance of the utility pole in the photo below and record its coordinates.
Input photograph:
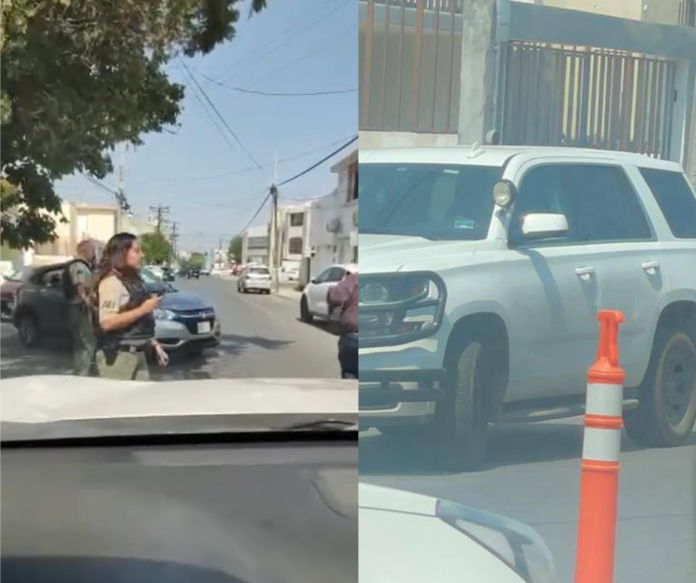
(173, 239)
(159, 212)
(275, 244)
(120, 195)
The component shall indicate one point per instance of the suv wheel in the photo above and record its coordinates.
(462, 418)
(28, 329)
(305, 314)
(667, 410)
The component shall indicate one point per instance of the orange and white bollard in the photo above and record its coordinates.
(599, 485)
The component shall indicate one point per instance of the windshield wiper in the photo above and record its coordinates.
(323, 425)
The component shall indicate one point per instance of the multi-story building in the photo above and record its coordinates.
(333, 230)
(255, 245)
(97, 223)
(293, 222)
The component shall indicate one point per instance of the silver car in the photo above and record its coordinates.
(255, 278)
(183, 320)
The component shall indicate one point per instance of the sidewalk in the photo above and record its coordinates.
(289, 292)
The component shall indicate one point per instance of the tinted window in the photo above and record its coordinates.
(259, 271)
(434, 201)
(598, 202)
(676, 200)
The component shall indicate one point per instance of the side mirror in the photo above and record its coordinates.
(315, 280)
(540, 225)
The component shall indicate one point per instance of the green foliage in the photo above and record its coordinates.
(156, 247)
(234, 251)
(81, 76)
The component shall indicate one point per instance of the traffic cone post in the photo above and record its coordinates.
(599, 485)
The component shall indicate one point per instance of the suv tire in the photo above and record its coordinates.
(28, 330)
(462, 418)
(305, 314)
(667, 411)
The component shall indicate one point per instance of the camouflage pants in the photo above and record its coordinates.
(83, 339)
(127, 366)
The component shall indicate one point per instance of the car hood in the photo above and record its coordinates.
(390, 253)
(180, 300)
(380, 498)
(55, 398)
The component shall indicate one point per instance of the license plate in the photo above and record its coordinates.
(203, 327)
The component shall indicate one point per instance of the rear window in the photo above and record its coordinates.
(260, 271)
(676, 200)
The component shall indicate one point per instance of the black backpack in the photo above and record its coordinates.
(68, 287)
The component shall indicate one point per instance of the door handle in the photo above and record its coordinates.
(651, 266)
(585, 273)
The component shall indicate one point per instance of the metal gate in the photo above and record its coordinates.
(586, 97)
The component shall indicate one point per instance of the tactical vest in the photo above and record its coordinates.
(140, 331)
(68, 287)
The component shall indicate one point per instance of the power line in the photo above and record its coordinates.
(302, 23)
(159, 212)
(210, 115)
(222, 119)
(256, 214)
(279, 93)
(324, 159)
(246, 170)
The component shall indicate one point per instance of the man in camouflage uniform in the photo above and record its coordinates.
(77, 280)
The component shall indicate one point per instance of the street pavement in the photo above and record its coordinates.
(533, 475)
(261, 337)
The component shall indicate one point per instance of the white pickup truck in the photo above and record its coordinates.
(482, 272)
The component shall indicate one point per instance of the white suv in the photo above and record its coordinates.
(482, 274)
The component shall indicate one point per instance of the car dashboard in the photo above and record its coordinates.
(273, 512)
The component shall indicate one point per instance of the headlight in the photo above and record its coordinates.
(163, 314)
(400, 307)
(514, 543)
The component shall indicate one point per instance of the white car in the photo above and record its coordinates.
(313, 303)
(156, 270)
(255, 278)
(483, 270)
(412, 538)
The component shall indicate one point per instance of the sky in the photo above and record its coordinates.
(211, 186)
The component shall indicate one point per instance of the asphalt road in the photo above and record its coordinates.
(533, 475)
(261, 337)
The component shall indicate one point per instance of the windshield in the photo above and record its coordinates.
(259, 271)
(433, 201)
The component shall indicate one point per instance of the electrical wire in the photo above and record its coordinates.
(302, 23)
(222, 119)
(280, 93)
(320, 162)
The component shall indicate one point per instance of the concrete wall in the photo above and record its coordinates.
(378, 140)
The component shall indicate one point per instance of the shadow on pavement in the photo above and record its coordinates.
(236, 344)
(413, 452)
(17, 361)
(330, 327)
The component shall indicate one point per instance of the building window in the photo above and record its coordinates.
(353, 182)
(257, 243)
(295, 245)
(296, 219)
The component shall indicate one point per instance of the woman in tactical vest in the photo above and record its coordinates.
(126, 330)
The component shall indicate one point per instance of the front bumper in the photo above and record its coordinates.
(400, 397)
(176, 335)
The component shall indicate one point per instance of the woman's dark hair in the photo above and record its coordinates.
(114, 256)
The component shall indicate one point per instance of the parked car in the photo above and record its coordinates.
(8, 291)
(255, 278)
(484, 270)
(313, 302)
(183, 321)
(411, 538)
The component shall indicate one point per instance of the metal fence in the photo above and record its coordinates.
(410, 55)
(586, 97)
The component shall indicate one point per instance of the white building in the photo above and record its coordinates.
(333, 229)
(293, 227)
(255, 242)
